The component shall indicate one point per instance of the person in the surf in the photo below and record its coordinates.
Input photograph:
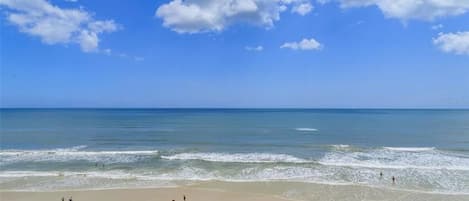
(393, 180)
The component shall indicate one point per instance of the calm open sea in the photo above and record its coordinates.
(48, 149)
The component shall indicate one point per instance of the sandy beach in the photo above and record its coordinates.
(192, 194)
(233, 191)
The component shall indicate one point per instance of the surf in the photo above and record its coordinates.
(74, 154)
(306, 129)
(237, 157)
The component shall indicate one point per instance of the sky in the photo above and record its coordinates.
(235, 53)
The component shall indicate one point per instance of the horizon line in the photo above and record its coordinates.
(251, 108)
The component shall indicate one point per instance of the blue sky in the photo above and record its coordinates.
(206, 53)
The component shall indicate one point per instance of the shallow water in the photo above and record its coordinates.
(426, 150)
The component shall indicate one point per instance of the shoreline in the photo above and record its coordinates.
(199, 184)
(165, 193)
(255, 191)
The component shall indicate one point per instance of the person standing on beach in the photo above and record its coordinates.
(380, 175)
(70, 199)
(184, 197)
(393, 180)
(63, 199)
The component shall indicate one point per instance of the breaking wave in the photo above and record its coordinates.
(238, 158)
(396, 158)
(411, 149)
(74, 154)
(417, 168)
(306, 129)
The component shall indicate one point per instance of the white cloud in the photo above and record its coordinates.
(411, 9)
(457, 43)
(305, 44)
(195, 16)
(56, 25)
(303, 8)
(257, 48)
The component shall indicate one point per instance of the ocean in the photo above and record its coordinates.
(59, 149)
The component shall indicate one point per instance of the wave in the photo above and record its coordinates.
(428, 171)
(440, 182)
(306, 129)
(20, 174)
(16, 151)
(341, 147)
(116, 174)
(238, 158)
(396, 158)
(288, 173)
(73, 154)
(410, 149)
(77, 153)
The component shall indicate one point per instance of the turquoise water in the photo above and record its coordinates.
(426, 150)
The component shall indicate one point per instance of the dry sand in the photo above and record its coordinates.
(192, 194)
(238, 191)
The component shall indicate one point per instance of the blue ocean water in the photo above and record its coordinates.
(427, 150)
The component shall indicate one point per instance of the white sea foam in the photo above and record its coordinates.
(343, 147)
(9, 152)
(306, 129)
(88, 174)
(396, 158)
(16, 174)
(429, 170)
(446, 182)
(71, 154)
(288, 173)
(187, 173)
(239, 157)
(411, 149)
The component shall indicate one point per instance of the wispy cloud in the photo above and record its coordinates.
(121, 55)
(410, 9)
(305, 44)
(256, 48)
(457, 43)
(437, 26)
(55, 25)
